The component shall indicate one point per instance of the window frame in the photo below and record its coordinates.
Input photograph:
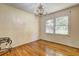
(63, 25)
(45, 25)
(55, 25)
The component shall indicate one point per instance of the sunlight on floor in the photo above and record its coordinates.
(51, 52)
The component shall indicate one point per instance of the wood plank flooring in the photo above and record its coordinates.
(43, 48)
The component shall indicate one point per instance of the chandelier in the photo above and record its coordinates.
(40, 10)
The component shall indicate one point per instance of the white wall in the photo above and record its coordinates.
(73, 38)
(20, 26)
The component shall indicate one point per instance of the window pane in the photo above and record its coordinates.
(49, 26)
(61, 29)
(62, 20)
(61, 25)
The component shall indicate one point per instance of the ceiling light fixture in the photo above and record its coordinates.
(40, 10)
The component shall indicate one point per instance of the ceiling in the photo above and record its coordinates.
(49, 7)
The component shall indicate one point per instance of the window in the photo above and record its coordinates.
(60, 26)
(49, 26)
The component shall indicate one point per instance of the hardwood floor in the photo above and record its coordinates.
(43, 48)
